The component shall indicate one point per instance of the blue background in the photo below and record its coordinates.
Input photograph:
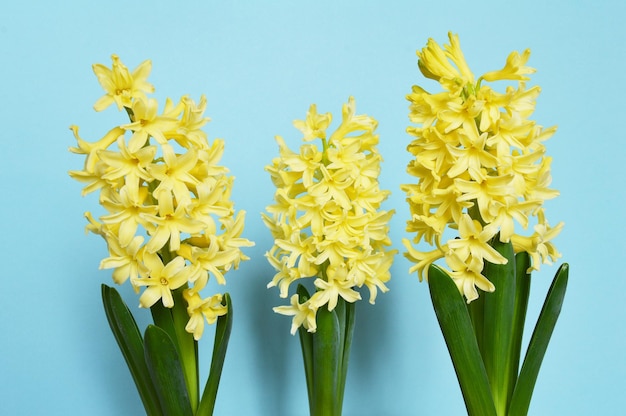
(261, 65)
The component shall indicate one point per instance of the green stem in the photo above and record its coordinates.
(498, 325)
(187, 346)
(306, 343)
(325, 160)
(522, 292)
(474, 213)
(347, 332)
(131, 114)
(325, 363)
(162, 317)
(326, 355)
(220, 345)
(476, 310)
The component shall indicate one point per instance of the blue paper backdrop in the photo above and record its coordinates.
(261, 64)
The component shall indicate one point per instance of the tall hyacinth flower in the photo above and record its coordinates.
(481, 168)
(169, 225)
(482, 177)
(328, 228)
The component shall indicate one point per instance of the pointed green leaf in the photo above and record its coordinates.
(220, 345)
(539, 343)
(130, 341)
(498, 325)
(458, 333)
(166, 372)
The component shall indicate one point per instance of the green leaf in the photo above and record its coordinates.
(220, 345)
(306, 343)
(539, 343)
(166, 372)
(130, 341)
(325, 363)
(458, 333)
(498, 325)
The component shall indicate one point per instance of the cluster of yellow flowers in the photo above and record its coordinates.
(326, 220)
(165, 196)
(481, 167)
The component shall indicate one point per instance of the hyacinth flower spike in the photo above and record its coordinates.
(169, 225)
(330, 234)
(482, 178)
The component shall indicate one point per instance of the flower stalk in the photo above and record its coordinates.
(169, 226)
(482, 172)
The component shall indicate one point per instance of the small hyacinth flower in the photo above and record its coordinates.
(326, 220)
(122, 86)
(481, 168)
(329, 230)
(169, 222)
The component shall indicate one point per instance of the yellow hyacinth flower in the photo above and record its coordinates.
(480, 166)
(121, 86)
(168, 219)
(201, 310)
(326, 220)
(161, 280)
